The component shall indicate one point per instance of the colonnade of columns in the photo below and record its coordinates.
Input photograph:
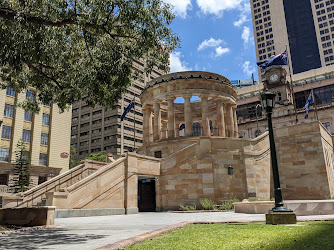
(227, 124)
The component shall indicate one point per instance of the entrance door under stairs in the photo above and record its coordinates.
(146, 195)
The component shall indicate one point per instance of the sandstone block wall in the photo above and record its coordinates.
(302, 151)
(200, 170)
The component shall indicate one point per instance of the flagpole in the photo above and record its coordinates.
(291, 84)
(134, 123)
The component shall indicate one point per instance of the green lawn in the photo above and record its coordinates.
(306, 235)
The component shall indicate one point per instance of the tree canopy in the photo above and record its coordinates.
(67, 49)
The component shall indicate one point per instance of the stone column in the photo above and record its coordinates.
(205, 116)
(229, 122)
(177, 125)
(164, 130)
(235, 121)
(220, 118)
(157, 121)
(171, 118)
(188, 116)
(150, 126)
(145, 125)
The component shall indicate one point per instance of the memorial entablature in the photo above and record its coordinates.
(163, 117)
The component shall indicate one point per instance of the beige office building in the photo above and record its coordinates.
(100, 129)
(46, 136)
(306, 27)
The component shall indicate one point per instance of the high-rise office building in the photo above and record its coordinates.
(100, 129)
(306, 27)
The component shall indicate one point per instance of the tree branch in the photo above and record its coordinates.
(10, 15)
(36, 69)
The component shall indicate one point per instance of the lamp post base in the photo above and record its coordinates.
(276, 217)
(280, 209)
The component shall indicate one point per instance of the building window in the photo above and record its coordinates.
(97, 112)
(9, 110)
(279, 96)
(44, 139)
(42, 179)
(10, 91)
(26, 155)
(43, 159)
(26, 135)
(4, 179)
(46, 119)
(30, 95)
(327, 125)
(28, 116)
(6, 132)
(74, 119)
(73, 136)
(4, 154)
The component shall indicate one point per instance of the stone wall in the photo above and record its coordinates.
(200, 170)
(305, 159)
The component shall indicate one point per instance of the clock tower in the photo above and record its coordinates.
(275, 81)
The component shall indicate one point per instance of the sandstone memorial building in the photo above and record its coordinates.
(190, 151)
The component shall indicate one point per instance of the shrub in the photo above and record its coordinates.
(207, 204)
(187, 207)
(228, 204)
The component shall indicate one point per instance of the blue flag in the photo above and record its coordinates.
(280, 59)
(128, 108)
(308, 103)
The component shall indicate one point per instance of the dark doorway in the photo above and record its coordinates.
(146, 195)
(157, 154)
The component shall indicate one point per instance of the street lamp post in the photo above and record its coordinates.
(268, 103)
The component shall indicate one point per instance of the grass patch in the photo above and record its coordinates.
(305, 235)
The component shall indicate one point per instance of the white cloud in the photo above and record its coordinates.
(180, 7)
(247, 68)
(245, 15)
(176, 65)
(210, 43)
(221, 51)
(246, 35)
(217, 7)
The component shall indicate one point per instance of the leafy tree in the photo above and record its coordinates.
(73, 158)
(21, 170)
(100, 156)
(67, 49)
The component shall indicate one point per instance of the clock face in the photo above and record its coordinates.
(274, 78)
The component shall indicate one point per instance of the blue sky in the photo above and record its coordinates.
(217, 36)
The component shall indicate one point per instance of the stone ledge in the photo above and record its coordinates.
(27, 216)
(300, 207)
(68, 213)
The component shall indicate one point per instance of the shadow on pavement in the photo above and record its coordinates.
(44, 238)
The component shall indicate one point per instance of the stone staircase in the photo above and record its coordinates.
(37, 195)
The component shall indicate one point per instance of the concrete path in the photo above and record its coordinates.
(93, 232)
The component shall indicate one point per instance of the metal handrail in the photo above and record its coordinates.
(54, 186)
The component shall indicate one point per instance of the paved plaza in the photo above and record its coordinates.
(93, 232)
